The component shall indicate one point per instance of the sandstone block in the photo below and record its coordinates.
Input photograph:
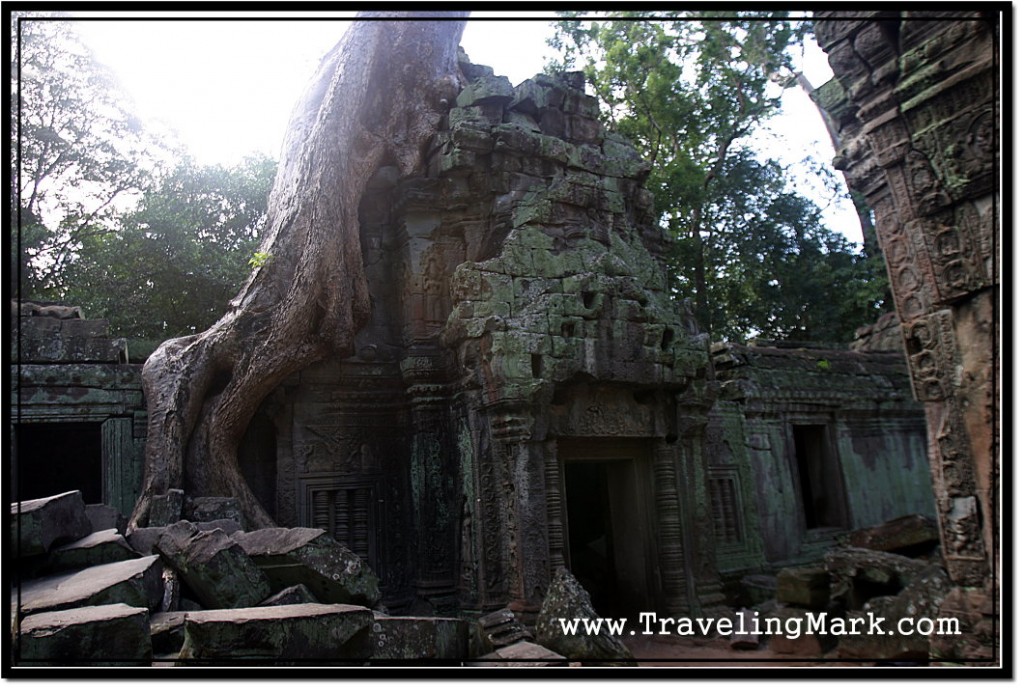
(39, 524)
(914, 534)
(328, 633)
(103, 547)
(204, 509)
(308, 556)
(804, 587)
(103, 517)
(215, 567)
(135, 582)
(166, 509)
(114, 634)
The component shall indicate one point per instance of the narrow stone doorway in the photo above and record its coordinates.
(608, 499)
(819, 477)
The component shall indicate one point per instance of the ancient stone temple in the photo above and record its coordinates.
(806, 443)
(78, 412)
(526, 395)
(916, 101)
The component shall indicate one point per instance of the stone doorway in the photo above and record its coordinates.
(52, 458)
(820, 478)
(608, 497)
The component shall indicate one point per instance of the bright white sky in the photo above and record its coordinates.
(227, 86)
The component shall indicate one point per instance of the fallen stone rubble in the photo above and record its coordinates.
(206, 592)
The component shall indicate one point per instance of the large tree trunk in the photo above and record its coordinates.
(377, 99)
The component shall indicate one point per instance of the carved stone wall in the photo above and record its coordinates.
(520, 322)
(857, 408)
(916, 100)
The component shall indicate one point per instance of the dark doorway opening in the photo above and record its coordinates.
(609, 533)
(52, 458)
(820, 477)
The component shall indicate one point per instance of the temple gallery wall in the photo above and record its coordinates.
(527, 396)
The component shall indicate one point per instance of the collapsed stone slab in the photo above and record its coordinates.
(214, 566)
(311, 632)
(567, 600)
(135, 582)
(115, 634)
(103, 547)
(39, 524)
(308, 556)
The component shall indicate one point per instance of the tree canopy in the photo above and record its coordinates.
(110, 213)
(691, 90)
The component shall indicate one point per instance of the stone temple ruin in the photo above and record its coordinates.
(528, 401)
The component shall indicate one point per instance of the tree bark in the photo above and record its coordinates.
(376, 99)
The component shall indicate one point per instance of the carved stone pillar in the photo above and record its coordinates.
(926, 105)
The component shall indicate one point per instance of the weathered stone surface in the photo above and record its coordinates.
(205, 509)
(919, 602)
(974, 636)
(215, 567)
(292, 595)
(39, 524)
(913, 534)
(861, 574)
(103, 517)
(166, 509)
(566, 599)
(804, 587)
(143, 540)
(497, 630)
(418, 638)
(332, 572)
(521, 654)
(135, 582)
(114, 634)
(310, 632)
(98, 548)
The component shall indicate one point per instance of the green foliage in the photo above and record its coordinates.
(174, 263)
(79, 155)
(259, 259)
(690, 91)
